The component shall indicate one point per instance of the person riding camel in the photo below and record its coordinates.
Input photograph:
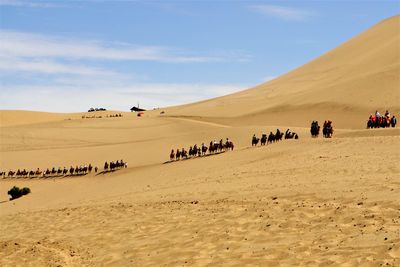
(387, 114)
(372, 118)
(377, 114)
(185, 153)
(278, 134)
(288, 134)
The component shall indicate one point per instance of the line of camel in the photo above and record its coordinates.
(199, 151)
(63, 172)
(271, 138)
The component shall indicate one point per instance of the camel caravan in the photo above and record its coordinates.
(378, 121)
(114, 165)
(272, 138)
(50, 173)
(327, 129)
(118, 115)
(214, 147)
(64, 172)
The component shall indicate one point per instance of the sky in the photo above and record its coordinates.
(69, 56)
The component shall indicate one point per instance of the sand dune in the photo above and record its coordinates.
(20, 117)
(308, 202)
(356, 78)
(312, 201)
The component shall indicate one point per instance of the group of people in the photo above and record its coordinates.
(375, 121)
(114, 115)
(50, 172)
(99, 117)
(198, 151)
(271, 138)
(57, 172)
(115, 165)
(327, 129)
(91, 117)
(378, 121)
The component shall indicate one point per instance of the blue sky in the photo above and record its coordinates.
(72, 55)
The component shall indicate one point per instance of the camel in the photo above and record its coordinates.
(254, 140)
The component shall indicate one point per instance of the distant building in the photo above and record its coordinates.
(137, 109)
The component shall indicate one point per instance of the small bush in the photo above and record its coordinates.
(25, 191)
(15, 192)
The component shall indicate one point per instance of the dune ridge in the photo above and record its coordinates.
(363, 74)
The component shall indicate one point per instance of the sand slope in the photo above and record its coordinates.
(306, 202)
(311, 201)
(356, 78)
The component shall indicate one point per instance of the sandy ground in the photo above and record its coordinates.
(306, 202)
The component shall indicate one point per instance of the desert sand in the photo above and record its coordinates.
(306, 202)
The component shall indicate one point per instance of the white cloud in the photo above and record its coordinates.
(11, 64)
(63, 74)
(73, 98)
(21, 44)
(32, 4)
(283, 12)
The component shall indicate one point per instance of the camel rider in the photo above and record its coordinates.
(377, 114)
(254, 137)
(387, 114)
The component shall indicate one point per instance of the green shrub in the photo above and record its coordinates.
(25, 191)
(15, 192)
